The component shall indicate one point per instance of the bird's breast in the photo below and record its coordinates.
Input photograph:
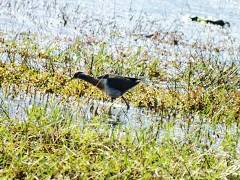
(113, 92)
(110, 91)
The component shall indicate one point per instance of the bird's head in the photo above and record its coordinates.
(227, 24)
(78, 75)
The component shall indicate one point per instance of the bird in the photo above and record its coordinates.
(113, 86)
(217, 22)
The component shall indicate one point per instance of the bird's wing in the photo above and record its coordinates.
(122, 83)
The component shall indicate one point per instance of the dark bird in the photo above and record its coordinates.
(195, 18)
(113, 85)
(217, 22)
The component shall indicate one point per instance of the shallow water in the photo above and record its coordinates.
(17, 103)
(86, 16)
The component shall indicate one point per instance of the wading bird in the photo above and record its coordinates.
(113, 85)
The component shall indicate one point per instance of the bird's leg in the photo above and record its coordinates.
(126, 103)
(112, 99)
(110, 108)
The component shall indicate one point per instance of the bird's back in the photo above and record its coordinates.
(120, 83)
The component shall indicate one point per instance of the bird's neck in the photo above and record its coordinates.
(92, 81)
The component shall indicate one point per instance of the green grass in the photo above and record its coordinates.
(46, 145)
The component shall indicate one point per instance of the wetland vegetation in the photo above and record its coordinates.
(188, 104)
